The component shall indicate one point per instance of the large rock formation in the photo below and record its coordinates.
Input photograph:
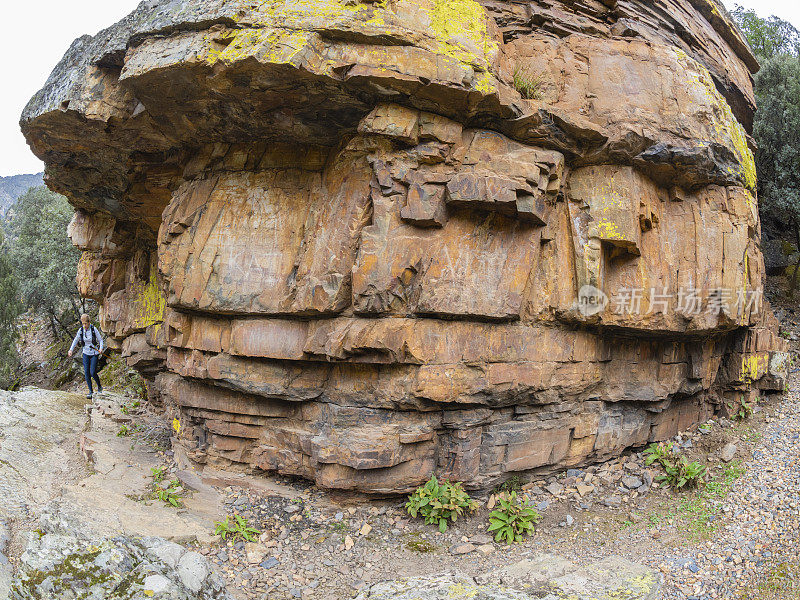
(342, 245)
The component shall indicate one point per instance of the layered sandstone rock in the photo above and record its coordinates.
(341, 245)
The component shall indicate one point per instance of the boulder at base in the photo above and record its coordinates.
(544, 576)
(124, 568)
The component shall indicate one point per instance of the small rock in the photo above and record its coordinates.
(271, 563)
(459, 549)
(555, 488)
(255, 553)
(155, 585)
(193, 570)
(728, 452)
(348, 542)
(634, 517)
(291, 508)
(632, 482)
(480, 539)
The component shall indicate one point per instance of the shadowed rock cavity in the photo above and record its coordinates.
(341, 245)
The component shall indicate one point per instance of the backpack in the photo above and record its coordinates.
(102, 359)
(94, 336)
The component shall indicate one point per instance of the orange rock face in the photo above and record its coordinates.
(339, 243)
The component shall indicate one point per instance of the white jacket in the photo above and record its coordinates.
(88, 348)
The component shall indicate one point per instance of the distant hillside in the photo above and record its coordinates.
(14, 186)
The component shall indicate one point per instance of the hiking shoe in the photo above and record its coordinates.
(100, 391)
(89, 396)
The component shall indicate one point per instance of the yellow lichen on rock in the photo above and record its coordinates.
(725, 129)
(461, 28)
(148, 302)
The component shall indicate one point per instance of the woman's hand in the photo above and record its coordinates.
(69, 353)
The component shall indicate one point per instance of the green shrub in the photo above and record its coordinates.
(235, 529)
(678, 471)
(158, 474)
(168, 495)
(682, 473)
(512, 520)
(658, 452)
(439, 503)
(126, 409)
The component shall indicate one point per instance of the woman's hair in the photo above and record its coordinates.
(85, 316)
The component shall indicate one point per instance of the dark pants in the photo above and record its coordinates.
(90, 371)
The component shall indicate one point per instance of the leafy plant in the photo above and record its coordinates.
(126, 430)
(678, 471)
(127, 408)
(439, 503)
(682, 473)
(158, 474)
(745, 411)
(529, 86)
(512, 520)
(657, 452)
(235, 529)
(169, 495)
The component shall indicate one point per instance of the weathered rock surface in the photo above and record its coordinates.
(545, 576)
(341, 245)
(551, 577)
(57, 566)
(38, 427)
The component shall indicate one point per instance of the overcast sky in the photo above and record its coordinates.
(28, 54)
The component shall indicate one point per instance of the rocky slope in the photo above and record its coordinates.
(342, 245)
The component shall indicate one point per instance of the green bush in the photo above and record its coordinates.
(169, 495)
(512, 520)
(439, 503)
(235, 529)
(678, 471)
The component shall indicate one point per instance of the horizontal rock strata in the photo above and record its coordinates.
(341, 244)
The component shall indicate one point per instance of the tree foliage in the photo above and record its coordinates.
(768, 37)
(10, 309)
(777, 132)
(43, 259)
(776, 129)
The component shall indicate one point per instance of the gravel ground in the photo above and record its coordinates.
(732, 537)
(755, 552)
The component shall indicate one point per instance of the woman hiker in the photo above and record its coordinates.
(91, 339)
